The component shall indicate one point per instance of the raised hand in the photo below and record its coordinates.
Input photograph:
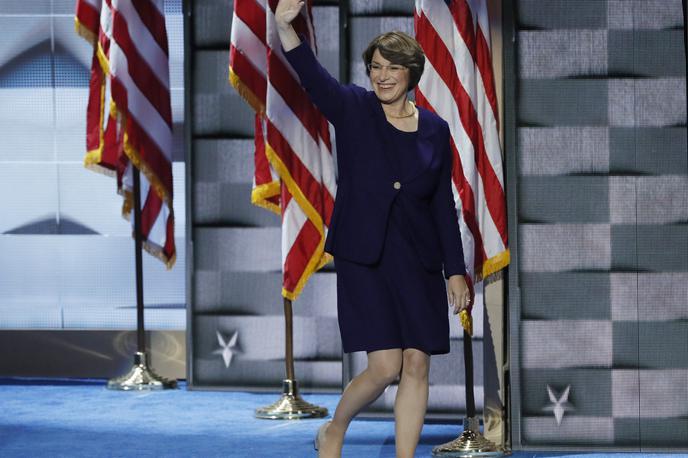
(286, 11)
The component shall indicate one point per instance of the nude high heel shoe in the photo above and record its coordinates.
(320, 436)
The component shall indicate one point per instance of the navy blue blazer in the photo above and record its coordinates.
(368, 182)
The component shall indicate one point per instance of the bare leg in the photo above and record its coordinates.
(411, 401)
(383, 368)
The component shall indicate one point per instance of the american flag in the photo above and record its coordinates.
(129, 113)
(458, 84)
(294, 167)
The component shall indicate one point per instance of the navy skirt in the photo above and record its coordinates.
(395, 303)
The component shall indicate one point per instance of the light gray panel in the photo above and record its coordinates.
(652, 102)
(563, 150)
(578, 102)
(578, 431)
(21, 34)
(81, 317)
(663, 393)
(70, 123)
(381, 7)
(566, 343)
(647, 53)
(562, 53)
(649, 296)
(561, 14)
(560, 247)
(557, 296)
(97, 272)
(251, 293)
(27, 201)
(174, 24)
(224, 161)
(36, 315)
(363, 30)
(648, 200)
(262, 337)
(229, 204)
(212, 21)
(33, 7)
(71, 44)
(90, 200)
(89, 283)
(238, 249)
(210, 371)
(28, 111)
(648, 150)
(651, 433)
(217, 107)
(644, 14)
(563, 199)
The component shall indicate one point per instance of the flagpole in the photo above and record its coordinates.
(290, 406)
(140, 376)
(471, 442)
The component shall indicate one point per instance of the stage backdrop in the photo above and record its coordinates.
(599, 205)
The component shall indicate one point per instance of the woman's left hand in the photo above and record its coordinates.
(458, 293)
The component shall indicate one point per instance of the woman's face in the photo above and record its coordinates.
(389, 81)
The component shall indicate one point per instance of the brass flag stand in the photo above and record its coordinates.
(140, 376)
(290, 406)
(471, 442)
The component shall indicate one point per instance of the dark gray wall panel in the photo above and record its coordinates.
(650, 248)
(381, 7)
(579, 102)
(212, 22)
(565, 295)
(258, 293)
(562, 14)
(563, 199)
(646, 53)
(238, 249)
(229, 204)
(261, 338)
(217, 107)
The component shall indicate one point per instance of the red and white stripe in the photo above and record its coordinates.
(458, 84)
(294, 163)
(133, 55)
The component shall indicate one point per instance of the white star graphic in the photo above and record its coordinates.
(559, 406)
(228, 348)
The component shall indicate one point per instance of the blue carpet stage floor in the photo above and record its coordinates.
(66, 418)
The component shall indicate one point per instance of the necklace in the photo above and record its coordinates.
(413, 111)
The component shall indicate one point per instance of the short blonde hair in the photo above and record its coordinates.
(398, 48)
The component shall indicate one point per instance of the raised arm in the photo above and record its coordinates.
(324, 90)
(285, 13)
